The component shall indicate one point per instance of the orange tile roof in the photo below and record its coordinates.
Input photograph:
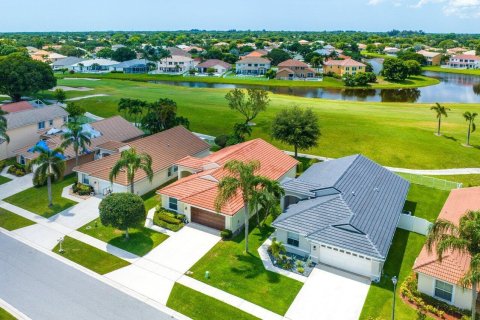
(200, 189)
(453, 265)
(292, 63)
(16, 106)
(344, 63)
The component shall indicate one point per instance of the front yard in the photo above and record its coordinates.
(4, 180)
(12, 221)
(36, 199)
(244, 275)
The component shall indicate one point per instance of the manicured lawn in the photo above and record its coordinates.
(36, 199)
(4, 315)
(4, 180)
(90, 257)
(151, 199)
(199, 306)
(12, 221)
(426, 203)
(402, 131)
(141, 241)
(243, 274)
(474, 72)
(468, 180)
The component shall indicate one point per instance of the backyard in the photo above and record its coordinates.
(11, 221)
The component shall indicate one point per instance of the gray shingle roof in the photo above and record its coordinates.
(66, 62)
(28, 117)
(360, 212)
(131, 63)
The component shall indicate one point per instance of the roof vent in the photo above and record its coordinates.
(376, 189)
(353, 193)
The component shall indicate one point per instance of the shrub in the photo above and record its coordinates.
(299, 264)
(221, 140)
(82, 189)
(71, 71)
(122, 211)
(17, 169)
(168, 218)
(226, 234)
(301, 270)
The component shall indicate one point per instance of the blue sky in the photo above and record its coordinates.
(366, 15)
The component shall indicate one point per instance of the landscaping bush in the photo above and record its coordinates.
(17, 169)
(168, 219)
(71, 71)
(226, 234)
(82, 189)
(221, 140)
(301, 270)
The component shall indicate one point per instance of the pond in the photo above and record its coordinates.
(452, 88)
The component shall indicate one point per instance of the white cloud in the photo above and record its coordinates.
(459, 8)
(374, 2)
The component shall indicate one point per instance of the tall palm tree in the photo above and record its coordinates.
(241, 179)
(131, 161)
(77, 138)
(266, 197)
(3, 127)
(445, 236)
(470, 117)
(50, 165)
(441, 111)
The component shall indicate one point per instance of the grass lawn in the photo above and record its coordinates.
(243, 275)
(151, 199)
(141, 241)
(12, 221)
(4, 315)
(474, 72)
(90, 257)
(199, 306)
(36, 199)
(403, 131)
(426, 203)
(4, 180)
(468, 180)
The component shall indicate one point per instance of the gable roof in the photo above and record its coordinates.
(165, 148)
(68, 61)
(429, 54)
(174, 51)
(200, 189)
(466, 57)
(344, 63)
(293, 63)
(453, 265)
(17, 106)
(32, 116)
(351, 203)
(130, 63)
(253, 60)
(214, 62)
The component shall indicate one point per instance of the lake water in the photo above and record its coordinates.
(452, 88)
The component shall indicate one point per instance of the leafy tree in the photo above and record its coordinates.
(296, 127)
(122, 211)
(241, 177)
(464, 239)
(50, 166)
(394, 69)
(440, 111)
(214, 54)
(412, 55)
(105, 53)
(271, 74)
(3, 127)
(71, 51)
(267, 198)
(123, 54)
(155, 53)
(20, 75)
(162, 115)
(249, 103)
(316, 61)
(74, 111)
(210, 71)
(130, 161)
(413, 68)
(132, 107)
(77, 138)
(60, 95)
(470, 117)
(277, 56)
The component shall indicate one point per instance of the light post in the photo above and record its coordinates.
(394, 281)
(60, 243)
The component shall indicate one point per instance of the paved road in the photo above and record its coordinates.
(44, 288)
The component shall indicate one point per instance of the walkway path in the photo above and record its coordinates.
(18, 184)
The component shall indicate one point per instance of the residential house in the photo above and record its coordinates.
(221, 44)
(326, 50)
(131, 66)
(252, 66)
(25, 125)
(292, 69)
(255, 54)
(304, 42)
(46, 56)
(456, 50)
(178, 62)
(66, 63)
(391, 51)
(343, 213)
(166, 148)
(107, 131)
(342, 67)
(17, 106)
(194, 194)
(433, 58)
(94, 66)
(115, 47)
(440, 279)
(190, 48)
(463, 61)
(219, 66)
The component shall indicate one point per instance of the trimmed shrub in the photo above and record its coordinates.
(221, 140)
(301, 270)
(226, 234)
(122, 211)
(82, 189)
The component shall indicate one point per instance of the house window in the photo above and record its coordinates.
(41, 125)
(293, 239)
(172, 170)
(65, 119)
(443, 290)
(85, 179)
(173, 204)
(50, 123)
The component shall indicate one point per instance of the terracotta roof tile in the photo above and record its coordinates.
(344, 63)
(16, 106)
(293, 63)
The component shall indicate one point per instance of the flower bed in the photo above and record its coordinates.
(168, 219)
(17, 169)
(82, 189)
(289, 261)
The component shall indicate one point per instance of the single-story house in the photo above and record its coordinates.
(391, 51)
(433, 58)
(131, 66)
(219, 66)
(113, 129)
(343, 213)
(440, 279)
(292, 69)
(252, 66)
(195, 192)
(66, 63)
(342, 67)
(166, 148)
(94, 65)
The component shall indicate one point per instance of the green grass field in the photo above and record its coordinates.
(402, 131)
(473, 72)
(12, 221)
(199, 306)
(36, 199)
(4, 180)
(4, 315)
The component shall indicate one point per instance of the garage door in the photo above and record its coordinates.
(345, 261)
(208, 218)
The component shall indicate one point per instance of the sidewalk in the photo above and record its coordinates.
(18, 184)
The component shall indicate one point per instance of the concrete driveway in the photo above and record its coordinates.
(330, 294)
(78, 215)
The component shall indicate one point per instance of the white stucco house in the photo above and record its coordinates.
(179, 62)
(94, 66)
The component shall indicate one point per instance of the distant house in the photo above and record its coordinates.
(179, 62)
(165, 148)
(190, 48)
(25, 125)
(17, 106)
(391, 51)
(255, 54)
(46, 56)
(304, 42)
(456, 50)
(221, 44)
(433, 58)
(66, 63)
(219, 66)
(131, 66)
(292, 69)
(252, 66)
(440, 279)
(342, 213)
(463, 61)
(326, 50)
(106, 131)
(342, 67)
(94, 66)
(115, 47)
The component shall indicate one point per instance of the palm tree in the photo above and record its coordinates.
(77, 138)
(470, 117)
(131, 161)
(241, 179)
(266, 197)
(3, 127)
(444, 236)
(441, 111)
(50, 166)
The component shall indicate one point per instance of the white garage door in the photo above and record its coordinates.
(345, 261)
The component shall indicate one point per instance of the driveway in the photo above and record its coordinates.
(330, 294)
(78, 215)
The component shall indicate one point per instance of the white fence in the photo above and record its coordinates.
(414, 224)
(431, 181)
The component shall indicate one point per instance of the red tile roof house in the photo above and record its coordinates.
(219, 66)
(440, 279)
(166, 148)
(464, 61)
(292, 69)
(195, 193)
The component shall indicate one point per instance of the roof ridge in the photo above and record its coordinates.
(313, 206)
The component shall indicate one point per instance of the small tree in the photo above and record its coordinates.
(60, 95)
(270, 74)
(210, 71)
(249, 103)
(130, 161)
(296, 127)
(132, 107)
(470, 118)
(440, 111)
(77, 138)
(122, 211)
(74, 112)
(394, 70)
